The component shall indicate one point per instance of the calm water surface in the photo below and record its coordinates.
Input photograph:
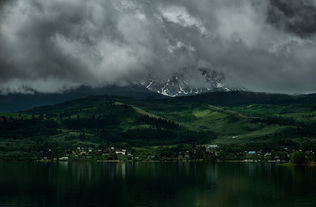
(92, 184)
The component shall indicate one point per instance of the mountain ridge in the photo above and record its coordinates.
(179, 84)
(21, 102)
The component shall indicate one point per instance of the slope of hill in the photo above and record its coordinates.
(237, 98)
(18, 102)
(163, 122)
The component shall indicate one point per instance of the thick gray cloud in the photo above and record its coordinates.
(54, 45)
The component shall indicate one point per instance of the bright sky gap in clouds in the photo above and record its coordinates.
(53, 45)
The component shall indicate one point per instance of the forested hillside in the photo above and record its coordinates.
(141, 122)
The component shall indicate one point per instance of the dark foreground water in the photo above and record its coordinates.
(156, 184)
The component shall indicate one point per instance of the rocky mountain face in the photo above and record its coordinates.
(180, 84)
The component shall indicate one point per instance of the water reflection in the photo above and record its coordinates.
(155, 184)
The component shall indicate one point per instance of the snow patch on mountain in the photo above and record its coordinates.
(181, 84)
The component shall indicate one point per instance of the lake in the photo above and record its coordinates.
(93, 184)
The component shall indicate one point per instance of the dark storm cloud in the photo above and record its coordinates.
(53, 45)
(296, 16)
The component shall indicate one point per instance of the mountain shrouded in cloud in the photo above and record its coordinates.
(54, 45)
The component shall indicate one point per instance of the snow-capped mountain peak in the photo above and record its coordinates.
(184, 84)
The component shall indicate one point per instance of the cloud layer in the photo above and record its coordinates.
(55, 45)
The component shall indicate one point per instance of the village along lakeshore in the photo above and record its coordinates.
(178, 153)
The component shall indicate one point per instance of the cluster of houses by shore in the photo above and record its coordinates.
(209, 152)
(110, 153)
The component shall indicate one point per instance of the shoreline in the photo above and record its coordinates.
(289, 164)
(283, 163)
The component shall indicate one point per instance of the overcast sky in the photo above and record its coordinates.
(260, 45)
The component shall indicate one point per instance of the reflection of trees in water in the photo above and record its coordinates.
(249, 184)
(158, 184)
